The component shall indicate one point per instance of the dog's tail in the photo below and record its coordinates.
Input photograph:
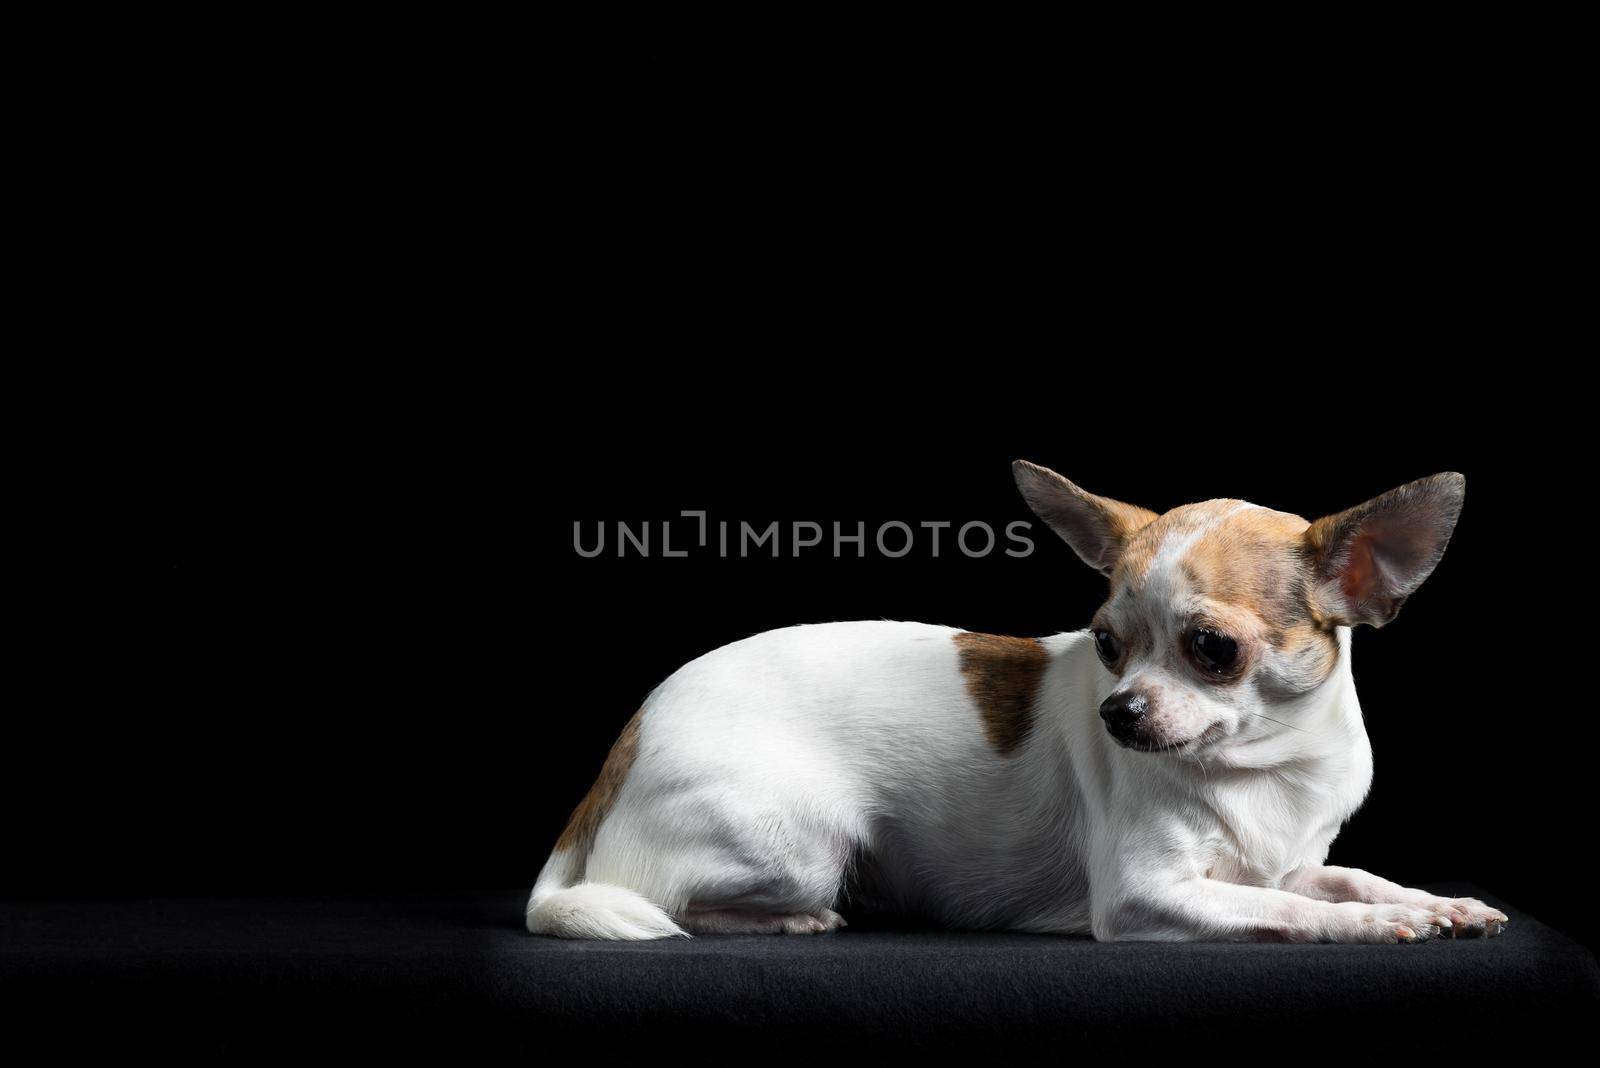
(563, 903)
(567, 909)
(599, 910)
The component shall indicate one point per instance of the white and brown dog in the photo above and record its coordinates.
(1175, 772)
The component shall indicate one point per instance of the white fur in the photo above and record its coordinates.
(596, 910)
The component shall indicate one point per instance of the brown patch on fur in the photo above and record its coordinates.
(1255, 559)
(1003, 676)
(1315, 651)
(586, 818)
(1145, 543)
(1252, 559)
(1122, 521)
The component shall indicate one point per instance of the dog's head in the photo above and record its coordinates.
(1224, 615)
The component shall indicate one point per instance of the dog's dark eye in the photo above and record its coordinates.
(1106, 645)
(1215, 652)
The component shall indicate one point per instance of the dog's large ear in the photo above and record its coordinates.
(1096, 527)
(1370, 558)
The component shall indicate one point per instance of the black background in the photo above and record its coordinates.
(317, 623)
(382, 668)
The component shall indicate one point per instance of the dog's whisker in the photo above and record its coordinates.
(1281, 723)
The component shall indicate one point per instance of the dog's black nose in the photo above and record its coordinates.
(1123, 711)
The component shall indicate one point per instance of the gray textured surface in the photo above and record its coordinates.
(422, 972)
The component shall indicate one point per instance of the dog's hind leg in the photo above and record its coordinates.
(721, 864)
(748, 921)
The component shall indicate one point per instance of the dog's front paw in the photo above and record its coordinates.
(1469, 917)
(1397, 923)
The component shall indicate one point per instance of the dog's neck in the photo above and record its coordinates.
(1316, 777)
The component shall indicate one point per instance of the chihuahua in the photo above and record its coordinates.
(1175, 772)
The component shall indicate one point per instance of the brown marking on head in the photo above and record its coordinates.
(1256, 560)
(1145, 543)
(1252, 559)
(1252, 564)
(1310, 653)
(591, 811)
(1184, 521)
(1003, 676)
